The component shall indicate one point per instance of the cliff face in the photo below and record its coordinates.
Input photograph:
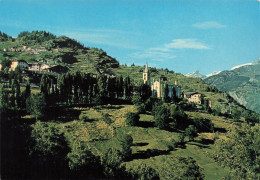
(242, 83)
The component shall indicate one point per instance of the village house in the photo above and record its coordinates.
(20, 63)
(0, 67)
(44, 66)
(194, 97)
(34, 67)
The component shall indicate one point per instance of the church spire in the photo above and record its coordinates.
(146, 68)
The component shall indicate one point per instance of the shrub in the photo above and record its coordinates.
(111, 161)
(83, 117)
(132, 119)
(141, 109)
(107, 119)
(126, 142)
(191, 132)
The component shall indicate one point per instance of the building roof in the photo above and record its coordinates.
(190, 93)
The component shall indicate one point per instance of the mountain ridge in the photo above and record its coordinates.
(242, 82)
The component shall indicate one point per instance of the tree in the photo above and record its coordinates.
(191, 132)
(36, 105)
(132, 119)
(81, 159)
(161, 117)
(111, 161)
(136, 99)
(145, 172)
(240, 151)
(180, 117)
(48, 148)
(126, 142)
(4, 99)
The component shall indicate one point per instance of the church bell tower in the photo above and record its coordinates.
(146, 75)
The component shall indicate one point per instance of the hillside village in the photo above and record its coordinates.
(87, 116)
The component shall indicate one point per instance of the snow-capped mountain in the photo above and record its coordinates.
(214, 73)
(195, 74)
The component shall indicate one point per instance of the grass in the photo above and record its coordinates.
(151, 145)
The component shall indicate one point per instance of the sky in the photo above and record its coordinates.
(181, 35)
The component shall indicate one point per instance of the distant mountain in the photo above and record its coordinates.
(212, 74)
(195, 74)
(242, 82)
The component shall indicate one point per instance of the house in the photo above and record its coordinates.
(34, 67)
(57, 69)
(194, 97)
(20, 63)
(44, 66)
(0, 67)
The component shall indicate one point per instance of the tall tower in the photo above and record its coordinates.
(146, 75)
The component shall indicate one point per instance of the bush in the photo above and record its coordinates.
(111, 163)
(132, 119)
(203, 125)
(181, 138)
(126, 142)
(141, 109)
(83, 117)
(144, 172)
(107, 119)
(191, 132)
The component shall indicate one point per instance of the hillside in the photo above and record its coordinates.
(112, 126)
(46, 48)
(242, 83)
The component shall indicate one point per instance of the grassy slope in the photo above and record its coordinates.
(151, 145)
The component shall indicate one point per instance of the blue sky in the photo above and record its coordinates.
(181, 35)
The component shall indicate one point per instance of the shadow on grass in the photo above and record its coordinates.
(145, 124)
(148, 154)
(206, 141)
(64, 114)
(112, 107)
(222, 130)
(140, 144)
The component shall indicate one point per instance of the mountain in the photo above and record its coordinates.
(242, 83)
(195, 74)
(212, 74)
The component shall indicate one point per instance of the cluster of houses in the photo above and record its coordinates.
(26, 49)
(23, 65)
(158, 86)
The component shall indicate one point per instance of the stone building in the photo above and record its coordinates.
(194, 97)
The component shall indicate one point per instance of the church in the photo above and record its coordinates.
(158, 86)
